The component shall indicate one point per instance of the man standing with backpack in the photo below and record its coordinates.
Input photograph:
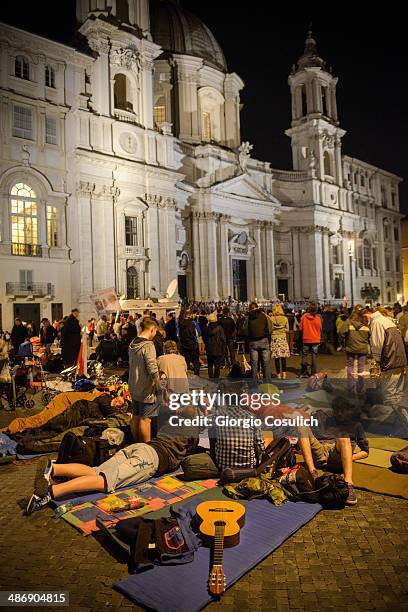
(257, 328)
(143, 381)
(230, 330)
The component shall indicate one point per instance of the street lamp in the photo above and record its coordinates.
(350, 246)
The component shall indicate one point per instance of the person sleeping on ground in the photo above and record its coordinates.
(132, 465)
(335, 444)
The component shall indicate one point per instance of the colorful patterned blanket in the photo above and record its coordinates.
(153, 494)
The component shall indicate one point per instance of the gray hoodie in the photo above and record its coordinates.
(143, 370)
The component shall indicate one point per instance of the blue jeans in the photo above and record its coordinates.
(306, 349)
(259, 349)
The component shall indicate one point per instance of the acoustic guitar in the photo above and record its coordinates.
(219, 523)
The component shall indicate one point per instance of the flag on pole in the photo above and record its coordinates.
(82, 360)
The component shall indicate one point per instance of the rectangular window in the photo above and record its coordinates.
(397, 264)
(49, 76)
(387, 263)
(375, 258)
(24, 228)
(51, 130)
(56, 312)
(23, 122)
(131, 231)
(393, 199)
(384, 200)
(206, 127)
(52, 226)
(26, 279)
(159, 114)
(396, 234)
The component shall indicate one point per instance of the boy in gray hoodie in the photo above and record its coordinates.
(143, 381)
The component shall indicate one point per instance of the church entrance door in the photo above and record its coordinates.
(239, 280)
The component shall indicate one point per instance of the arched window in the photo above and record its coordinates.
(122, 93)
(160, 111)
(367, 255)
(211, 105)
(303, 101)
(327, 164)
(132, 282)
(24, 221)
(49, 76)
(21, 68)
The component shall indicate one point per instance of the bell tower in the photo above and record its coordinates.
(315, 132)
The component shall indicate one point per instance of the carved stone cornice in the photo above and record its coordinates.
(128, 58)
(103, 192)
(154, 200)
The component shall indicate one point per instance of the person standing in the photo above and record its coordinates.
(173, 367)
(215, 343)
(189, 341)
(171, 328)
(230, 330)
(355, 334)
(19, 334)
(91, 331)
(257, 328)
(311, 330)
(143, 381)
(101, 327)
(279, 344)
(47, 336)
(71, 339)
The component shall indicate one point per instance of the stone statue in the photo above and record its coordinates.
(244, 154)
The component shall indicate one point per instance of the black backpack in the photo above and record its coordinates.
(393, 353)
(86, 450)
(333, 491)
(399, 461)
(54, 364)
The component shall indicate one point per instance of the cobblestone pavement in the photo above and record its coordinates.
(355, 559)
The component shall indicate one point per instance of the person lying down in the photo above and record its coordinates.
(130, 466)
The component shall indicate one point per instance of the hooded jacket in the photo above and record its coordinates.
(311, 328)
(188, 335)
(356, 335)
(214, 340)
(257, 325)
(143, 370)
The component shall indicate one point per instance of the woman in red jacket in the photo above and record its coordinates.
(311, 330)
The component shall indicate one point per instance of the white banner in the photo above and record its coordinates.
(105, 301)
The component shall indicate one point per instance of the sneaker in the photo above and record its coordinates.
(42, 479)
(352, 497)
(36, 503)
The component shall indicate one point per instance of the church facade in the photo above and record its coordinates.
(121, 165)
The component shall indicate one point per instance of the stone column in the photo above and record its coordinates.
(316, 256)
(86, 264)
(258, 285)
(146, 84)
(212, 219)
(152, 242)
(204, 269)
(297, 271)
(224, 257)
(326, 265)
(196, 255)
(346, 268)
(270, 261)
(337, 160)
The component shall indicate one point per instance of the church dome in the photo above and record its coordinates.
(179, 31)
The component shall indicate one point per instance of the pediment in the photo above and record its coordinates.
(243, 186)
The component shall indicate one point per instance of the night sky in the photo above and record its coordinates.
(261, 40)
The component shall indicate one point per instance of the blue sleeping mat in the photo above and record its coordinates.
(183, 588)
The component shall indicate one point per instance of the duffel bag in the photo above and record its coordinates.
(199, 467)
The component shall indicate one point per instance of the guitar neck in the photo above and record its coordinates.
(218, 544)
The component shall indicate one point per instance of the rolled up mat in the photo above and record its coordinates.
(183, 588)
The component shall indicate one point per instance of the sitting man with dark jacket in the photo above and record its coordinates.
(130, 466)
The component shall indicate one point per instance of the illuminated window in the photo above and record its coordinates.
(22, 122)
(51, 130)
(24, 220)
(160, 111)
(21, 68)
(49, 76)
(52, 226)
(206, 126)
(132, 282)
